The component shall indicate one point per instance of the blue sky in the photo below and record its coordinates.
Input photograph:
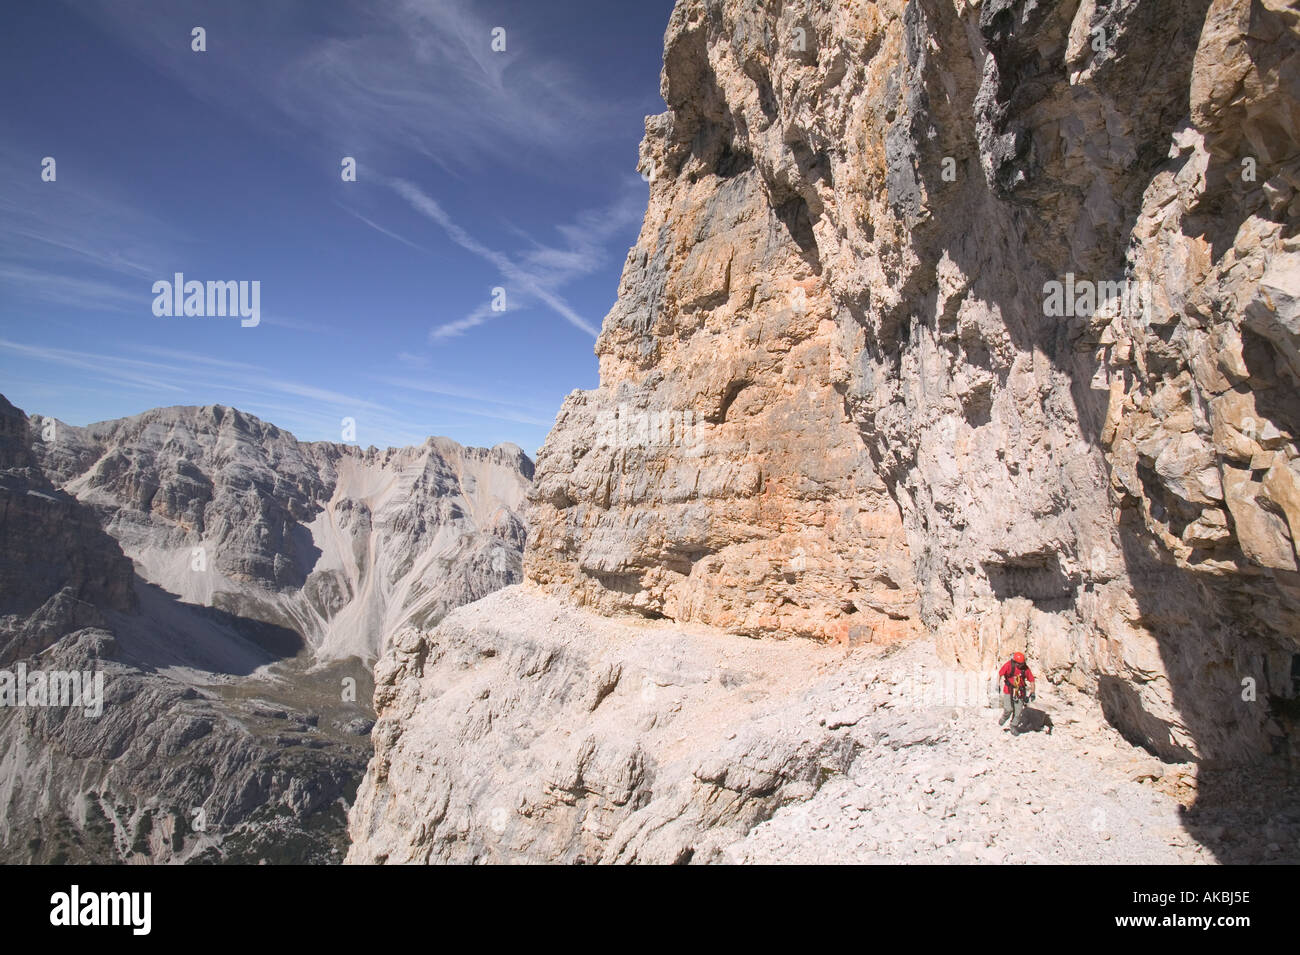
(476, 169)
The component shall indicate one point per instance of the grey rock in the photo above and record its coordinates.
(211, 744)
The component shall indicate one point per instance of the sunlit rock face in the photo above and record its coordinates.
(716, 475)
(225, 587)
(58, 570)
(972, 319)
(969, 322)
(340, 544)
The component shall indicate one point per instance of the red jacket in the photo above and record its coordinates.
(1009, 680)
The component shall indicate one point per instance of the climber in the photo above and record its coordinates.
(1017, 683)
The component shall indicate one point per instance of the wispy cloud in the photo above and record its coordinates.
(51, 238)
(586, 240)
(452, 391)
(178, 355)
(387, 78)
(70, 242)
(298, 325)
(474, 319)
(584, 250)
(57, 288)
(524, 280)
(182, 371)
(168, 372)
(490, 405)
(503, 415)
(324, 395)
(378, 228)
(412, 359)
(414, 69)
(120, 370)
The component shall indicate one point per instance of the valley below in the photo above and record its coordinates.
(234, 587)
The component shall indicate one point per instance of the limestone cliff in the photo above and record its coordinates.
(716, 476)
(842, 291)
(968, 321)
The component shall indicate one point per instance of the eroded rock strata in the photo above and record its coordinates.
(230, 586)
(523, 729)
(843, 281)
(971, 321)
(338, 544)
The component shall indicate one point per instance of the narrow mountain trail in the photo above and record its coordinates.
(946, 784)
(523, 729)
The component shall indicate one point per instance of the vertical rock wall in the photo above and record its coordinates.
(839, 388)
(716, 475)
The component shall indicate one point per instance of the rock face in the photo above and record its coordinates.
(971, 318)
(58, 569)
(716, 476)
(261, 575)
(182, 764)
(525, 730)
(338, 544)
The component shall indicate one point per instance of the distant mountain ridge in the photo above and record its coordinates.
(232, 584)
(340, 544)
